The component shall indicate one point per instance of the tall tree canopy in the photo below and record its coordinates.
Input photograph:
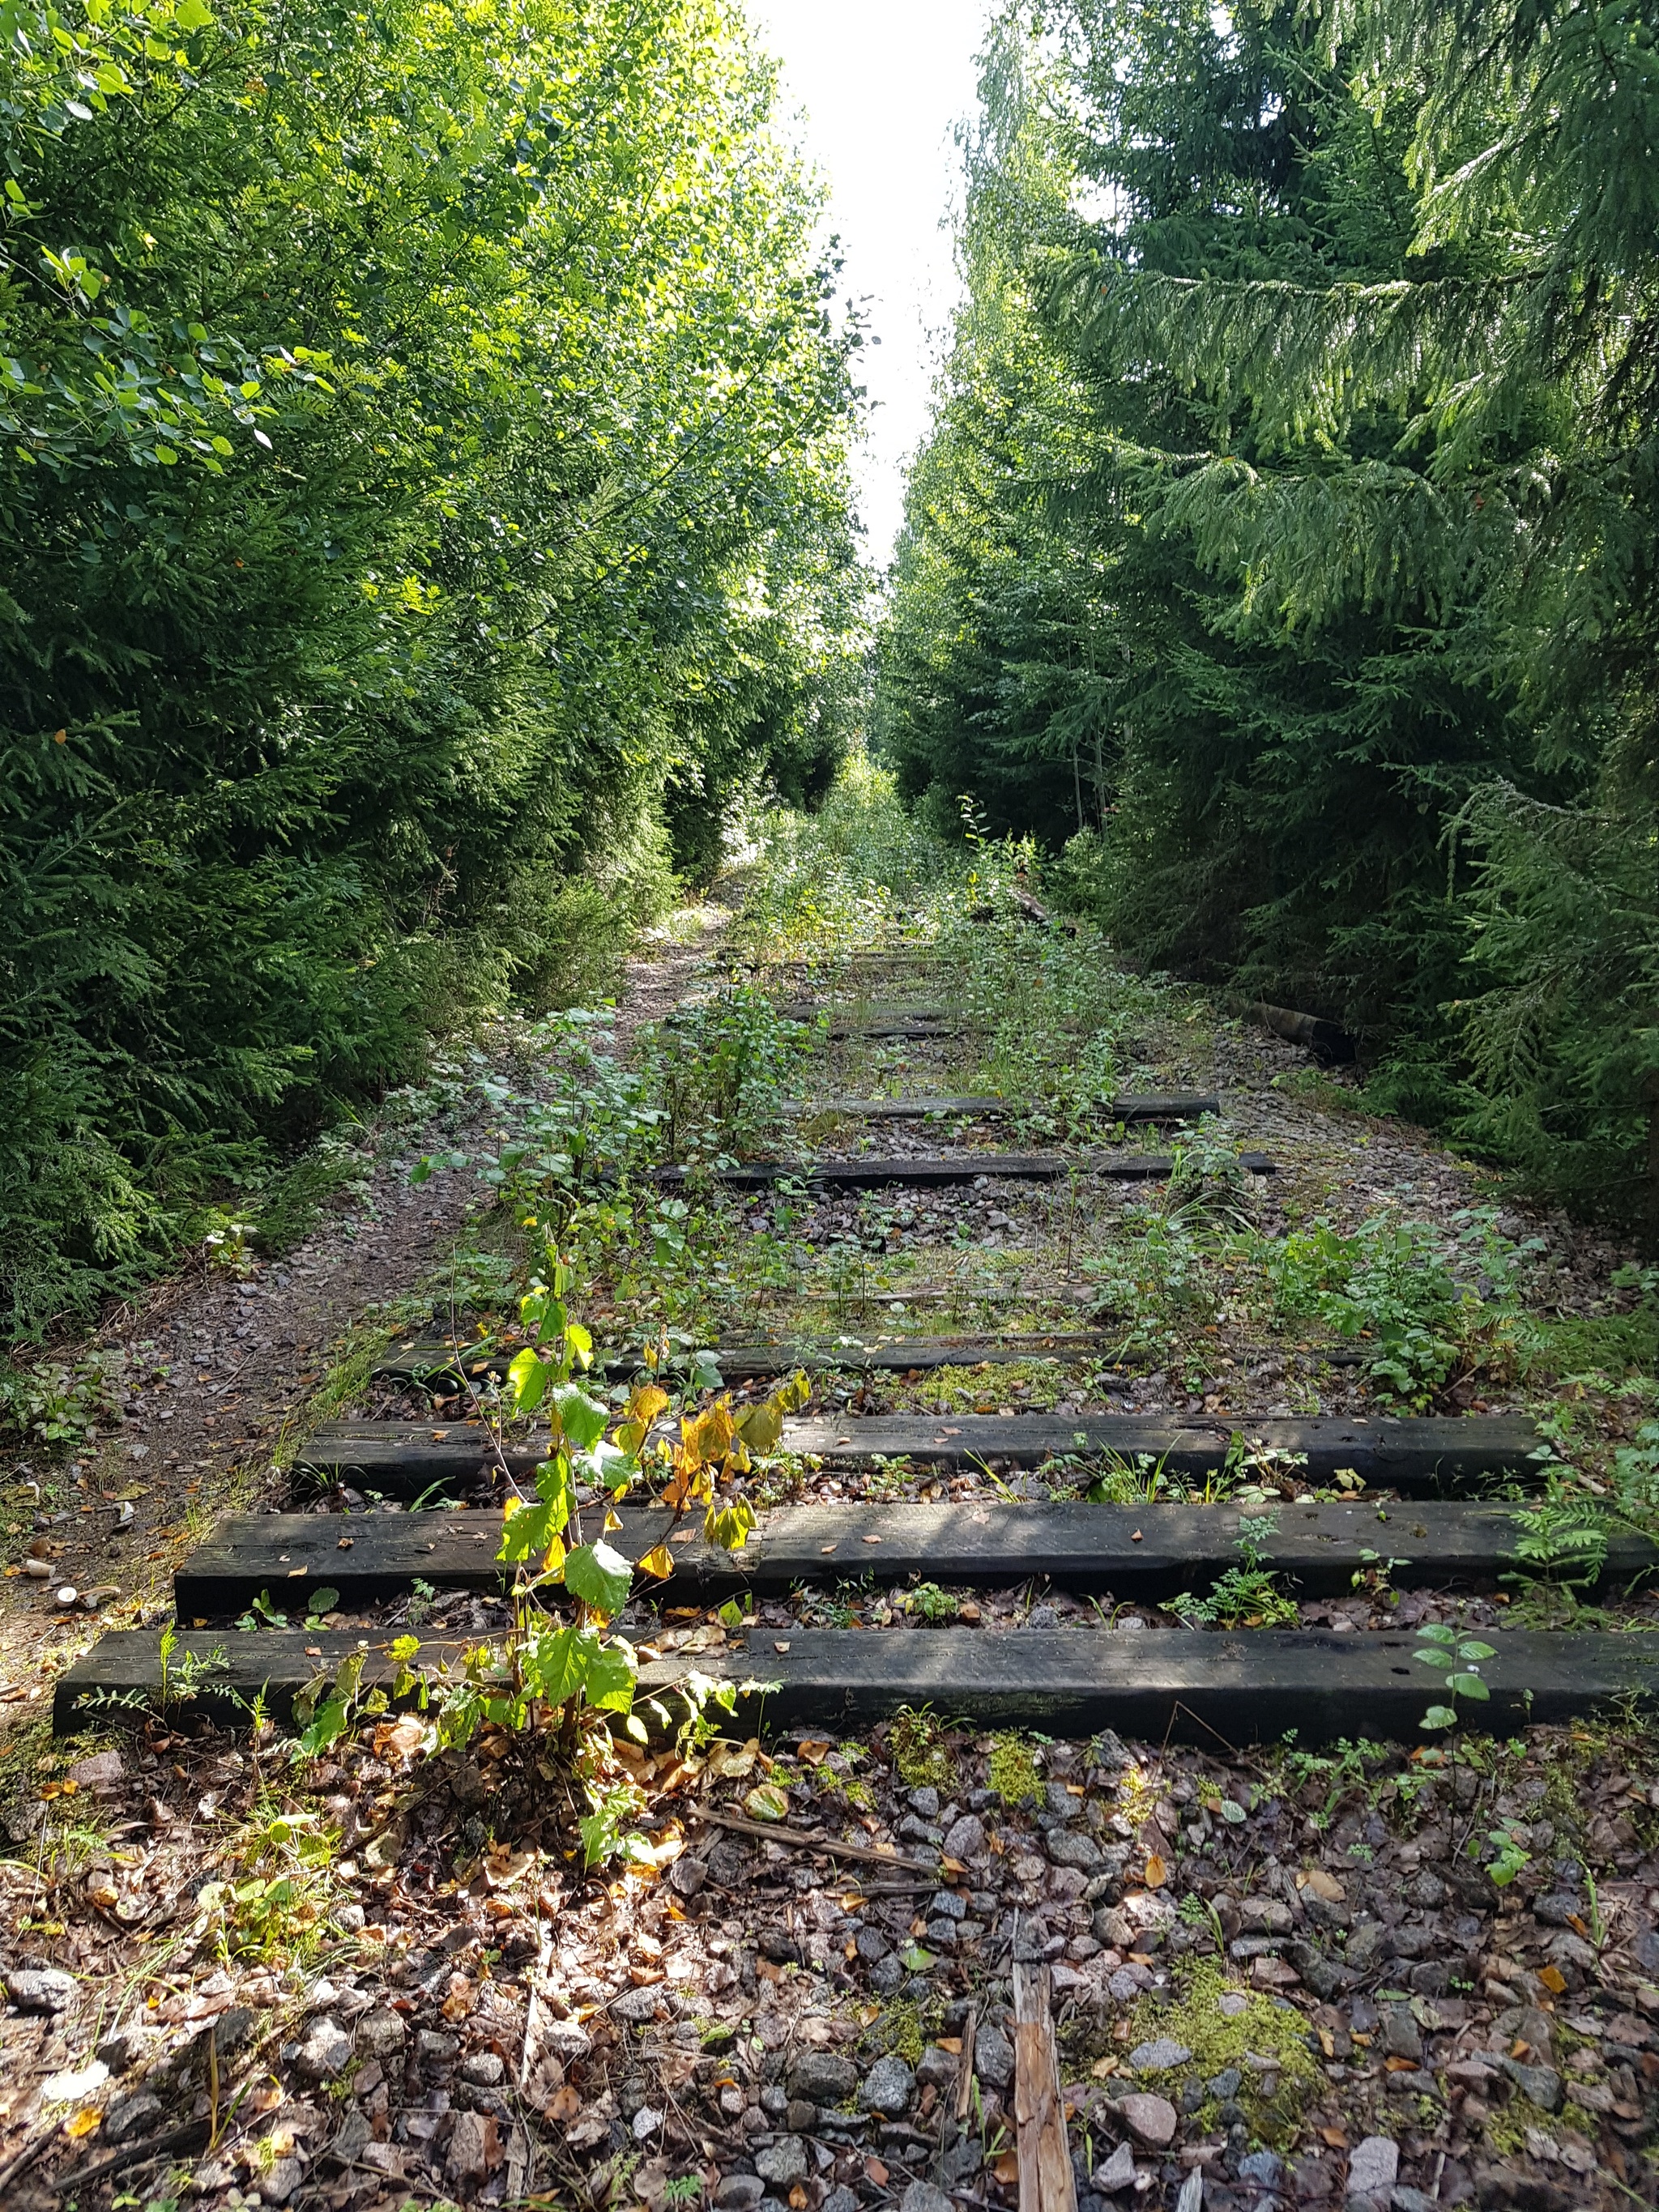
(1287, 528)
(423, 481)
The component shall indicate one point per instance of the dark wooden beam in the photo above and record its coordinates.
(943, 1172)
(1192, 1685)
(418, 1361)
(402, 1459)
(1145, 1552)
(1182, 1106)
(1195, 1685)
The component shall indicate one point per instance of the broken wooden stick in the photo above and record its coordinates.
(1046, 2180)
(832, 1847)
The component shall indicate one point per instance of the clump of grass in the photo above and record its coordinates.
(920, 1754)
(1014, 1776)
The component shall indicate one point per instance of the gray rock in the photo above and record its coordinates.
(638, 2006)
(1526, 2024)
(993, 2057)
(889, 2087)
(129, 2117)
(922, 2197)
(687, 1875)
(468, 2161)
(128, 2047)
(1117, 2173)
(839, 2199)
(823, 2077)
(1412, 2200)
(39, 1988)
(1112, 1928)
(483, 2068)
(886, 1975)
(1264, 2167)
(1070, 1848)
(782, 2161)
(1366, 1946)
(948, 1904)
(965, 1838)
(380, 2033)
(739, 2192)
(1227, 2083)
(1401, 2038)
(326, 2052)
(871, 1945)
(915, 1830)
(434, 2048)
(103, 1771)
(925, 1801)
(1150, 2120)
(937, 2070)
(1159, 2056)
(1373, 2168)
(279, 2180)
(800, 2116)
(1540, 2085)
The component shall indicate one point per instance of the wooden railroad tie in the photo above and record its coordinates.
(1161, 1684)
(942, 1171)
(1423, 1457)
(1176, 1107)
(420, 1360)
(1146, 1553)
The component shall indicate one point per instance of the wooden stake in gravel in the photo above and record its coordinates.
(1046, 2181)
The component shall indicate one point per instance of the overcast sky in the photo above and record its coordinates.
(882, 84)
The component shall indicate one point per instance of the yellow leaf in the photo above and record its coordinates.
(659, 1563)
(1157, 1872)
(553, 1562)
(762, 1426)
(1102, 2067)
(649, 1399)
(84, 2122)
(1553, 1980)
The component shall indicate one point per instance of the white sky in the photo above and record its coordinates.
(882, 84)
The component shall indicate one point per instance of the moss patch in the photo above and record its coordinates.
(899, 2031)
(959, 1389)
(920, 1754)
(1222, 2041)
(1014, 1776)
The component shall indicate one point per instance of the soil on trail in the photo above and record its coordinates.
(1363, 1975)
(223, 1366)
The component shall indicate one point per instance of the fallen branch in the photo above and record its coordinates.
(129, 2155)
(800, 1840)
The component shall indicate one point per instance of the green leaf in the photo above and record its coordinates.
(1439, 1716)
(322, 1601)
(581, 1418)
(554, 1663)
(1468, 1686)
(192, 16)
(612, 1674)
(1435, 1631)
(599, 1576)
(526, 1380)
(1476, 1651)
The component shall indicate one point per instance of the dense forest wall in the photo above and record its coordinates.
(1282, 558)
(422, 476)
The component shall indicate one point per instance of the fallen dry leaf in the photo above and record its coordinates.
(1553, 1980)
(1322, 1885)
(89, 2117)
(1157, 1872)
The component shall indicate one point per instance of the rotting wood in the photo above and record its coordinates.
(1187, 1684)
(1046, 2181)
(1247, 1686)
(1176, 1107)
(1425, 1455)
(941, 1171)
(1147, 1553)
(406, 1459)
(1328, 1041)
(421, 1361)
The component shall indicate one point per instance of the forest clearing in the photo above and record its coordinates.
(827, 1391)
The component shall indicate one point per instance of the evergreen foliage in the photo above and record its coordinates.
(1321, 343)
(424, 494)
